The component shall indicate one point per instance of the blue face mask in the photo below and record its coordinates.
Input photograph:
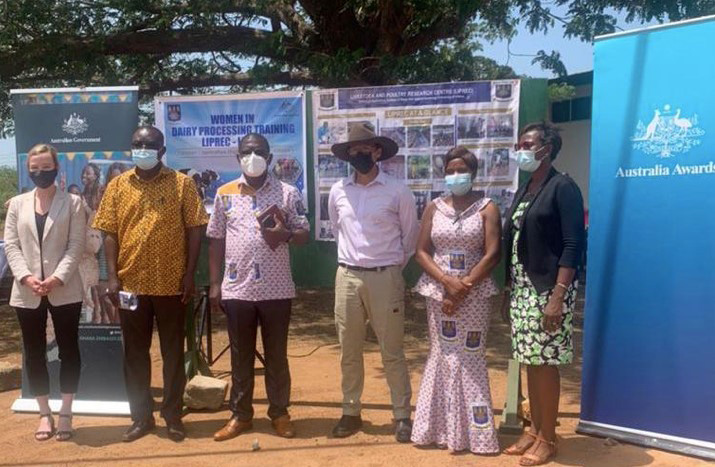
(145, 159)
(459, 184)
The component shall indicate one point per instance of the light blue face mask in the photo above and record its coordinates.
(458, 184)
(145, 159)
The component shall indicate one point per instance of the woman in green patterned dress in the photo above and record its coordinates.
(543, 241)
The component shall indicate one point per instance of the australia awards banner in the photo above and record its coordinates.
(203, 132)
(648, 372)
(425, 121)
(91, 129)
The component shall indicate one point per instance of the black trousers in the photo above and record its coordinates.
(242, 319)
(137, 329)
(33, 323)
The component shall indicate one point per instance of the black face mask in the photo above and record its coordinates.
(43, 178)
(362, 162)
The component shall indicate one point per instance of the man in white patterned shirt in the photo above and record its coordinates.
(257, 284)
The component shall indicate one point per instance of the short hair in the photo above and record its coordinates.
(460, 152)
(257, 136)
(41, 149)
(549, 135)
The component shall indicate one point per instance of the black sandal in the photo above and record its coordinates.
(64, 435)
(45, 435)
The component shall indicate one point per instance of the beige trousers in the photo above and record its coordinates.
(377, 297)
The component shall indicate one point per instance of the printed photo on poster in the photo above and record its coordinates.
(324, 197)
(330, 167)
(438, 165)
(502, 198)
(471, 127)
(369, 124)
(500, 126)
(422, 198)
(332, 132)
(418, 137)
(287, 170)
(498, 163)
(396, 134)
(394, 167)
(419, 167)
(443, 135)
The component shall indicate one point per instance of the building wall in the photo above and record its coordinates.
(575, 156)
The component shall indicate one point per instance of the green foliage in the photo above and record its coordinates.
(194, 46)
(561, 92)
(8, 188)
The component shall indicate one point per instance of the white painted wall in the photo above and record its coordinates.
(575, 156)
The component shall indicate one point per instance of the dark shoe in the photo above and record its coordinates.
(403, 430)
(284, 427)
(233, 428)
(176, 430)
(347, 426)
(139, 430)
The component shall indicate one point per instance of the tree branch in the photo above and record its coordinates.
(229, 79)
(245, 40)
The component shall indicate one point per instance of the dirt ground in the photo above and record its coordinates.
(316, 407)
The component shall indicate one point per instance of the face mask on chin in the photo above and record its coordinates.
(362, 162)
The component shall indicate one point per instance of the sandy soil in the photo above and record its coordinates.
(316, 396)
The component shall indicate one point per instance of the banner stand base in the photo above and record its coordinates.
(685, 446)
(79, 407)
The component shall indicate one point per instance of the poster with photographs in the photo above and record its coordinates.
(425, 121)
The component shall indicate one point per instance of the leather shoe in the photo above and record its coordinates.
(347, 426)
(403, 430)
(233, 428)
(283, 426)
(138, 430)
(176, 430)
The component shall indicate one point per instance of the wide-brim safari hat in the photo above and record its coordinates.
(364, 134)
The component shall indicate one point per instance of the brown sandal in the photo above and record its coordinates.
(65, 435)
(45, 435)
(515, 451)
(533, 459)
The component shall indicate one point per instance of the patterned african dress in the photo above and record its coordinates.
(454, 407)
(530, 343)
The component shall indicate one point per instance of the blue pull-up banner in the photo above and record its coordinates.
(649, 366)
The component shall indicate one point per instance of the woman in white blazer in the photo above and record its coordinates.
(44, 242)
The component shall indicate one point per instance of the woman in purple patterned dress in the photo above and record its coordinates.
(458, 247)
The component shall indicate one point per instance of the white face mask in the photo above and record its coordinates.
(253, 165)
(145, 159)
(526, 160)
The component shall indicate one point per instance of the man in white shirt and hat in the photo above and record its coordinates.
(374, 221)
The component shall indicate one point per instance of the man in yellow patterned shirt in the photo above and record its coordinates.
(153, 219)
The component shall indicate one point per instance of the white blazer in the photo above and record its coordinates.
(62, 247)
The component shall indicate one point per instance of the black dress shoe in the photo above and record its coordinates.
(138, 430)
(176, 430)
(348, 425)
(403, 430)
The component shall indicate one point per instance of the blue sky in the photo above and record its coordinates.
(576, 55)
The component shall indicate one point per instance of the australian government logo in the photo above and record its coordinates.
(75, 125)
(669, 132)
